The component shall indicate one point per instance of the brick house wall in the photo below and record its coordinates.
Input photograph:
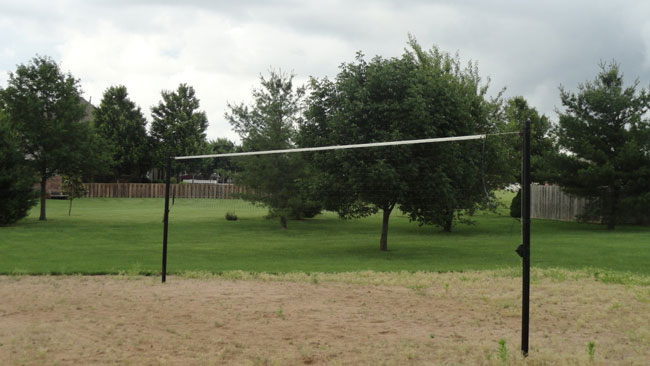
(52, 186)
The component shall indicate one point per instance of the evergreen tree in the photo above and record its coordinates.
(121, 122)
(270, 123)
(604, 135)
(17, 194)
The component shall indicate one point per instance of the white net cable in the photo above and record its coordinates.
(341, 147)
(196, 181)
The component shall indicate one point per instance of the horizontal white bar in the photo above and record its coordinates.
(335, 147)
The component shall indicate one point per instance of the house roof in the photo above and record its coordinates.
(89, 110)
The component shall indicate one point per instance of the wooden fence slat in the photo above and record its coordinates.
(157, 190)
(549, 202)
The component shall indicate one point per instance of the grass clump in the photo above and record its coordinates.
(503, 351)
(231, 216)
(591, 349)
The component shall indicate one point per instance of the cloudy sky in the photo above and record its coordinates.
(222, 47)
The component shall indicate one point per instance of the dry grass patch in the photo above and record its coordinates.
(364, 318)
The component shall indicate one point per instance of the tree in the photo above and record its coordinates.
(420, 95)
(17, 195)
(121, 122)
(44, 106)
(73, 187)
(270, 123)
(604, 135)
(178, 127)
(223, 169)
(543, 149)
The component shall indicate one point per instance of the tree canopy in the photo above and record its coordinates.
(45, 108)
(543, 152)
(270, 123)
(604, 135)
(222, 169)
(542, 146)
(122, 124)
(178, 126)
(17, 195)
(422, 94)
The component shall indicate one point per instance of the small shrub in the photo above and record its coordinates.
(231, 216)
(73, 187)
(591, 349)
(503, 351)
(515, 205)
(307, 210)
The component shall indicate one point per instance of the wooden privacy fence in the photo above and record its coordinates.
(549, 202)
(157, 190)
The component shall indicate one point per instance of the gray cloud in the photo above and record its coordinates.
(222, 47)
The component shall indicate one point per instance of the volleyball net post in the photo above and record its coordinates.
(168, 179)
(524, 248)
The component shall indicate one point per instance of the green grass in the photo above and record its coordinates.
(125, 235)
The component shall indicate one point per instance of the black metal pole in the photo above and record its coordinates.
(525, 233)
(166, 219)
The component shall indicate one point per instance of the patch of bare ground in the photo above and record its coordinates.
(364, 318)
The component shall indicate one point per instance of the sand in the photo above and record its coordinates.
(347, 319)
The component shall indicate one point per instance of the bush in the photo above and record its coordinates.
(231, 216)
(17, 194)
(515, 205)
(305, 212)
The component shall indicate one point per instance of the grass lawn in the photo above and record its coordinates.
(125, 235)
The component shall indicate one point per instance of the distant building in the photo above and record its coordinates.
(90, 110)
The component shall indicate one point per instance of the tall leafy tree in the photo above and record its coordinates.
(604, 133)
(121, 122)
(543, 148)
(44, 106)
(223, 169)
(17, 195)
(270, 123)
(178, 126)
(422, 94)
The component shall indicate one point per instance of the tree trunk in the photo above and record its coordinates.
(43, 194)
(447, 227)
(70, 208)
(283, 222)
(383, 242)
(449, 220)
(613, 206)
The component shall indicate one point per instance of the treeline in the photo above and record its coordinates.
(599, 148)
(50, 129)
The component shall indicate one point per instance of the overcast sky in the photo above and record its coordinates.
(222, 47)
